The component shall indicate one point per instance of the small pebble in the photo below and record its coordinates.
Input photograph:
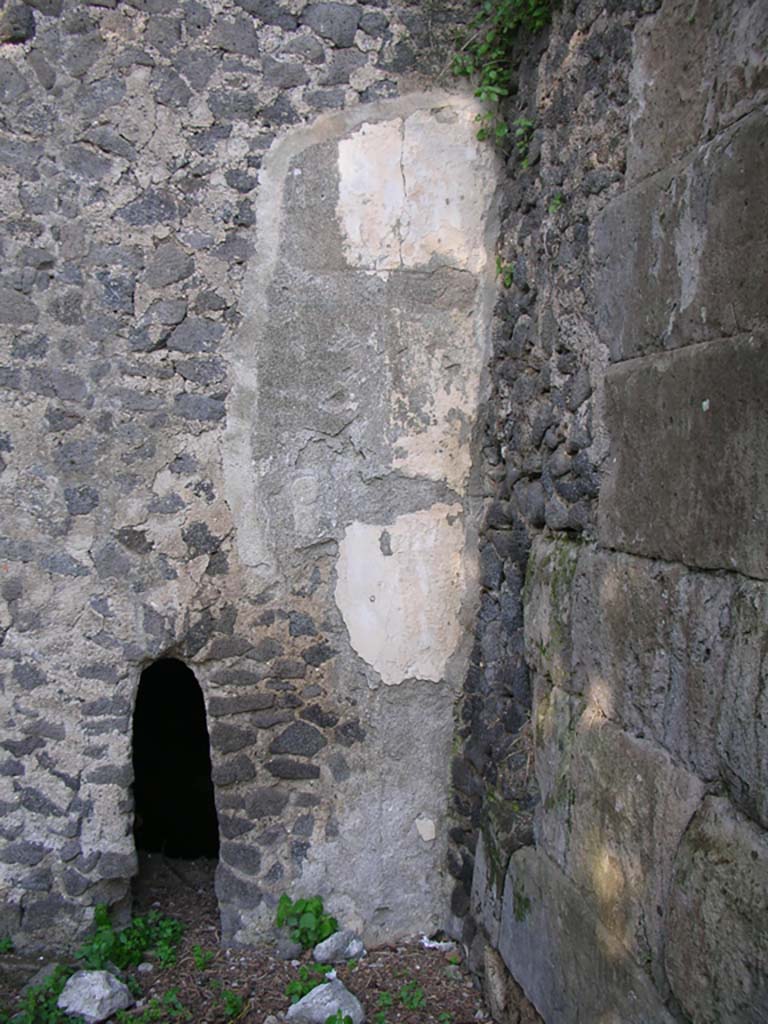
(145, 968)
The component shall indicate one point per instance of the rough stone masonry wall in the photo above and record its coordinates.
(243, 354)
(632, 353)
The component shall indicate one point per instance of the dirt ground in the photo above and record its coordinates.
(184, 890)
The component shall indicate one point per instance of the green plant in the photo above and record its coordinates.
(445, 1017)
(157, 1010)
(379, 1017)
(232, 1003)
(6, 944)
(485, 53)
(202, 957)
(385, 1000)
(306, 919)
(523, 135)
(310, 976)
(126, 948)
(556, 202)
(38, 1005)
(412, 996)
(338, 1018)
(505, 271)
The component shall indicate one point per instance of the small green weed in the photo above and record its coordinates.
(159, 1009)
(445, 1017)
(202, 957)
(523, 135)
(306, 919)
(126, 948)
(385, 1000)
(505, 271)
(485, 53)
(352, 964)
(412, 996)
(310, 976)
(379, 1017)
(556, 202)
(6, 944)
(232, 1004)
(39, 1004)
(338, 1018)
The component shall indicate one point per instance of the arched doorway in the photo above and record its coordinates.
(174, 805)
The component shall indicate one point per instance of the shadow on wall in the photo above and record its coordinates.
(174, 802)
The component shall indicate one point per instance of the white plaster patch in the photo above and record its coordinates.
(449, 182)
(371, 195)
(416, 191)
(426, 829)
(402, 609)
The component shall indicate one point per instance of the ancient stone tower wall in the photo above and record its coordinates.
(245, 299)
(259, 417)
(621, 870)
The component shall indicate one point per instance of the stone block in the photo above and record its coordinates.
(676, 102)
(569, 965)
(717, 942)
(548, 596)
(687, 480)
(677, 656)
(613, 821)
(651, 650)
(690, 238)
(487, 890)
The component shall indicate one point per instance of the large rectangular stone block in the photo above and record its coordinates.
(696, 70)
(571, 968)
(612, 816)
(717, 941)
(680, 657)
(687, 480)
(677, 259)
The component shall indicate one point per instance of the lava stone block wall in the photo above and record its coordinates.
(611, 853)
(131, 140)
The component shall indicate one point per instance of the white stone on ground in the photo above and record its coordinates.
(343, 945)
(94, 996)
(323, 1002)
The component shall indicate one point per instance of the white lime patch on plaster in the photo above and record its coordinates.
(371, 196)
(416, 192)
(449, 182)
(449, 382)
(402, 609)
(426, 829)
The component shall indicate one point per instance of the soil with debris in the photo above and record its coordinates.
(184, 890)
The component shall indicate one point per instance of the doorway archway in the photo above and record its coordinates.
(175, 811)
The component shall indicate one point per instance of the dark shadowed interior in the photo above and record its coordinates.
(174, 805)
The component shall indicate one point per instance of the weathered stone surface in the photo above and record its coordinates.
(669, 115)
(324, 1001)
(332, 21)
(613, 812)
(548, 597)
(94, 996)
(688, 235)
(689, 458)
(300, 738)
(339, 947)
(717, 947)
(585, 974)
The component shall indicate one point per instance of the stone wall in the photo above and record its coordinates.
(244, 353)
(632, 353)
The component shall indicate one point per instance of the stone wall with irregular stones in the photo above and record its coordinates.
(240, 404)
(610, 846)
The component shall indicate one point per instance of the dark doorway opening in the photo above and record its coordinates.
(175, 813)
